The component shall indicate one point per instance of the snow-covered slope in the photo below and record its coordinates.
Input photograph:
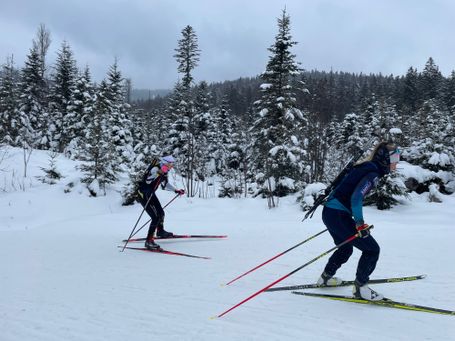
(62, 276)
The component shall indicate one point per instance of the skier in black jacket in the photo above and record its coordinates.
(156, 174)
(342, 214)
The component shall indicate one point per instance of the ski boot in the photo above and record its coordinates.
(161, 233)
(151, 245)
(365, 292)
(328, 280)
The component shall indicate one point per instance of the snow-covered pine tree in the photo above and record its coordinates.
(52, 174)
(80, 112)
(385, 194)
(119, 121)
(182, 139)
(101, 160)
(277, 150)
(61, 93)
(431, 81)
(371, 117)
(225, 131)
(174, 143)
(410, 97)
(33, 125)
(206, 136)
(9, 118)
(432, 147)
(236, 162)
(315, 147)
(351, 135)
(449, 93)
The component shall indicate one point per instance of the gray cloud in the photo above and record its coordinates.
(355, 36)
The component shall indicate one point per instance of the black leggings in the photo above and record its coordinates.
(155, 211)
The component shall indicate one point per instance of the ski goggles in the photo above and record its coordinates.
(395, 156)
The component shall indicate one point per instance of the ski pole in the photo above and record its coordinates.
(177, 195)
(278, 255)
(146, 204)
(151, 219)
(350, 239)
(137, 222)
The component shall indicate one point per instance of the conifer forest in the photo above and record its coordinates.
(289, 130)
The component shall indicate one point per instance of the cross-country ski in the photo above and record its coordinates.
(179, 236)
(347, 283)
(385, 302)
(163, 251)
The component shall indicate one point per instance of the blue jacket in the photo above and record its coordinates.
(349, 194)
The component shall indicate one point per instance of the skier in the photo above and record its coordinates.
(156, 174)
(342, 214)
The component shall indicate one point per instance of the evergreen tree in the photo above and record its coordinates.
(61, 93)
(431, 81)
(234, 154)
(370, 118)
(432, 145)
(33, 125)
(101, 162)
(80, 113)
(9, 120)
(385, 194)
(410, 97)
(350, 136)
(187, 56)
(449, 92)
(278, 151)
(182, 139)
(119, 121)
(206, 137)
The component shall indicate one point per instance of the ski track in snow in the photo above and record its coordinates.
(63, 278)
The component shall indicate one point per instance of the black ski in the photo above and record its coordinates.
(347, 283)
(166, 252)
(386, 302)
(178, 236)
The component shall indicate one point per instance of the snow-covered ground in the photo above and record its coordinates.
(62, 276)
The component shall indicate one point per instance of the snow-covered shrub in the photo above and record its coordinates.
(433, 194)
(52, 175)
(386, 194)
(310, 194)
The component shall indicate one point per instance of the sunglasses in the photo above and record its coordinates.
(395, 156)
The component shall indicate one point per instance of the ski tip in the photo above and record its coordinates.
(213, 317)
(222, 285)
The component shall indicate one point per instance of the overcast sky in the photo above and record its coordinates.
(386, 36)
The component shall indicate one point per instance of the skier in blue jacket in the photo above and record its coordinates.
(156, 174)
(342, 214)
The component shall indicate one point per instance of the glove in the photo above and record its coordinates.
(180, 191)
(363, 230)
